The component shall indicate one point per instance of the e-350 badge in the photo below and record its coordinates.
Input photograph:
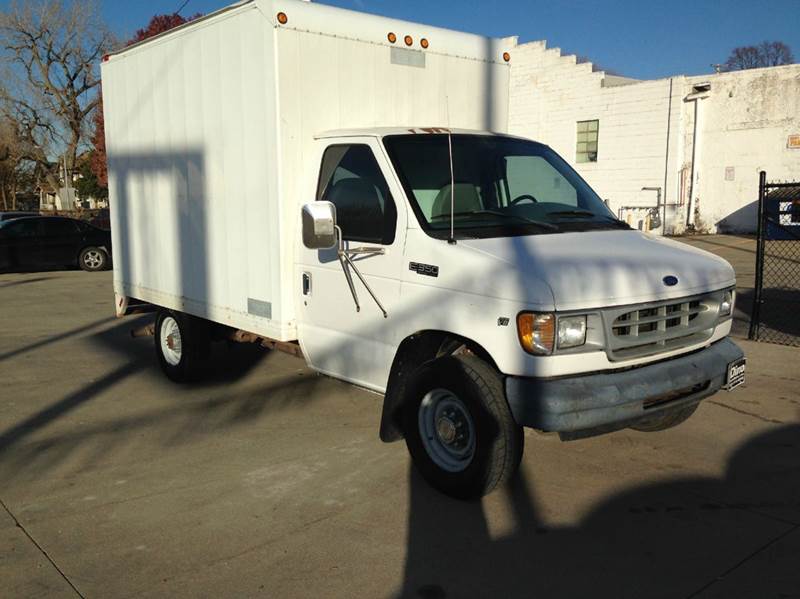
(429, 270)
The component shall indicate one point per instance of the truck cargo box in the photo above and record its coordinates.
(209, 128)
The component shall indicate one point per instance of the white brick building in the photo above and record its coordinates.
(747, 121)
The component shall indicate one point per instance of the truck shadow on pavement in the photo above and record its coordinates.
(7, 284)
(55, 338)
(738, 536)
(183, 415)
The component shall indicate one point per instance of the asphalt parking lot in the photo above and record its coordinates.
(269, 480)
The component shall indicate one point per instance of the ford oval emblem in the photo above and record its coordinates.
(670, 280)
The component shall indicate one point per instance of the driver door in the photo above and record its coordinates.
(355, 344)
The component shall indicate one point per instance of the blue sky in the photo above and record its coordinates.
(638, 38)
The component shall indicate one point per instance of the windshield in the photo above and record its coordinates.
(502, 186)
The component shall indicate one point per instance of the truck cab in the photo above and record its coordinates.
(479, 283)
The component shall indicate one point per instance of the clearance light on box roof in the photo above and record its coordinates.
(408, 40)
(282, 18)
(391, 37)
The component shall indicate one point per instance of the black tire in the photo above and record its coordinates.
(664, 420)
(498, 439)
(93, 259)
(194, 345)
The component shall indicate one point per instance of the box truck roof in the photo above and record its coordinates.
(384, 131)
(310, 17)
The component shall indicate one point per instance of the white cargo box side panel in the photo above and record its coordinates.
(193, 158)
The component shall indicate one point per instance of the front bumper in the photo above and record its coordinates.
(596, 403)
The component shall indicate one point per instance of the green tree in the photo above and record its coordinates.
(87, 185)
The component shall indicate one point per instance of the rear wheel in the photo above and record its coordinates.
(93, 259)
(459, 429)
(665, 420)
(182, 345)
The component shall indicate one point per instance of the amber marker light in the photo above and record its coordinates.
(391, 37)
(408, 40)
(424, 43)
(282, 18)
(537, 332)
(506, 56)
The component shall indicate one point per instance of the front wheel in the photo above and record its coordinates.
(92, 259)
(459, 429)
(182, 345)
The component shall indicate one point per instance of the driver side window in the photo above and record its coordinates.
(534, 176)
(351, 179)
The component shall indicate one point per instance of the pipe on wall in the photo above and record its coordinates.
(666, 162)
(699, 92)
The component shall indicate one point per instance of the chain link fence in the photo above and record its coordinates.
(776, 306)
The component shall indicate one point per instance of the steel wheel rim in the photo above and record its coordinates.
(170, 340)
(447, 430)
(92, 259)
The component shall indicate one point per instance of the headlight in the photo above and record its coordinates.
(536, 332)
(726, 305)
(571, 331)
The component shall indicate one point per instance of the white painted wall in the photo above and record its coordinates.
(647, 129)
(745, 122)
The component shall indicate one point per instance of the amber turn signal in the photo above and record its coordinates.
(537, 332)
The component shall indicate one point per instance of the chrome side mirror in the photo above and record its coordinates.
(319, 225)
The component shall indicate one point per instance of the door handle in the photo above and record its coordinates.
(306, 283)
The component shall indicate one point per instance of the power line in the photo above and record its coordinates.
(181, 7)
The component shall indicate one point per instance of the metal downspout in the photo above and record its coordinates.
(690, 203)
(666, 162)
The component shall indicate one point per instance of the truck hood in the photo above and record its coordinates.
(606, 268)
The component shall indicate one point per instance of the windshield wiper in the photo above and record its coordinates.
(518, 217)
(581, 213)
(572, 213)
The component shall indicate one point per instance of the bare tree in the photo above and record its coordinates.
(52, 50)
(776, 53)
(16, 173)
(766, 54)
(11, 168)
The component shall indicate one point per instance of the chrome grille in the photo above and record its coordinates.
(653, 328)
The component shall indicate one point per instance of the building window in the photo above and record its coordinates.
(587, 141)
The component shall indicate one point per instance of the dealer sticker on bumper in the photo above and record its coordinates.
(735, 375)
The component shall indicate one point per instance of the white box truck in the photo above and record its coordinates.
(325, 182)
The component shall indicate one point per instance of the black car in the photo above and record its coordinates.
(15, 214)
(37, 242)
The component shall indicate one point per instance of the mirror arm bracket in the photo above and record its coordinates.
(347, 264)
